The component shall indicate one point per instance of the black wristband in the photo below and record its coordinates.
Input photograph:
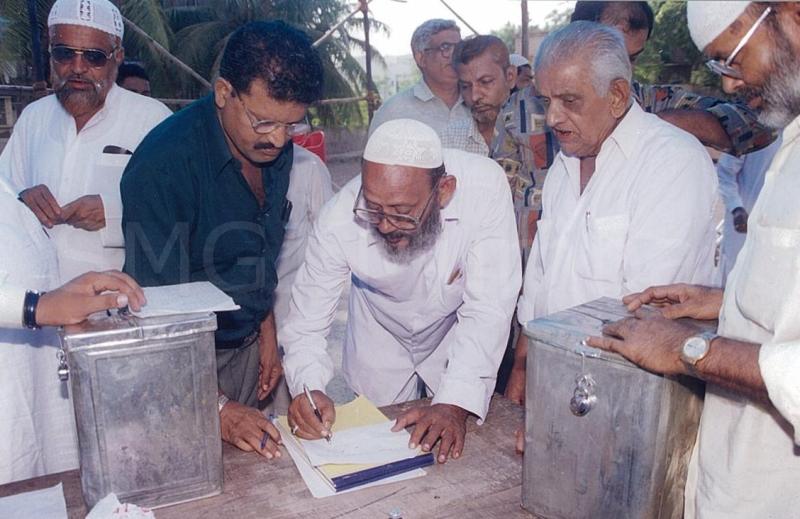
(29, 309)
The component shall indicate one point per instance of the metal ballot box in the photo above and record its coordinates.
(603, 438)
(145, 399)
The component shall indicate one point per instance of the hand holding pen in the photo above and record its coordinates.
(311, 415)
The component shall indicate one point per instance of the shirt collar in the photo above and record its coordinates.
(625, 137)
(626, 134)
(422, 91)
(216, 144)
(792, 130)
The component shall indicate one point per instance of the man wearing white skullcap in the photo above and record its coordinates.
(428, 238)
(68, 150)
(746, 462)
(56, 163)
(524, 72)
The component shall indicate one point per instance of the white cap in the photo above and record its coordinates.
(518, 60)
(97, 14)
(708, 19)
(404, 142)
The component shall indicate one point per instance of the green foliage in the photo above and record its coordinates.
(507, 33)
(671, 56)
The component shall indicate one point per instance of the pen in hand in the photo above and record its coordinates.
(316, 410)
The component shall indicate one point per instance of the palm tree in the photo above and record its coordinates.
(202, 31)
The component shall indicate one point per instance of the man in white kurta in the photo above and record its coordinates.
(72, 157)
(644, 215)
(746, 463)
(309, 188)
(438, 321)
(45, 149)
(36, 421)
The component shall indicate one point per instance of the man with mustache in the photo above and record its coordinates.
(427, 237)
(65, 155)
(434, 100)
(746, 461)
(205, 199)
(726, 126)
(485, 77)
(629, 199)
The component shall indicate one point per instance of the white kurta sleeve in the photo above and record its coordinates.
(728, 169)
(492, 277)
(315, 296)
(671, 233)
(11, 300)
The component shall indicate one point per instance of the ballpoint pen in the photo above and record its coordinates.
(316, 410)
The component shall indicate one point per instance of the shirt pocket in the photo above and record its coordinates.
(767, 273)
(452, 292)
(600, 255)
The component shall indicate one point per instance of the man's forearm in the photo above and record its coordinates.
(734, 365)
(703, 125)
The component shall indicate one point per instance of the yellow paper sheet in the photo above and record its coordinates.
(357, 413)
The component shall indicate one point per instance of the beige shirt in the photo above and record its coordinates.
(747, 459)
(419, 103)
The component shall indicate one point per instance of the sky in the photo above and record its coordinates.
(483, 15)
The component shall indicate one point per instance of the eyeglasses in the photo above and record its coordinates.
(263, 127)
(725, 68)
(96, 58)
(445, 49)
(402, 222)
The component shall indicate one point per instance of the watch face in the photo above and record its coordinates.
(695, 347)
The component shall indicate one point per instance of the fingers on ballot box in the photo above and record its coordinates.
(603, 437)
(145, 397)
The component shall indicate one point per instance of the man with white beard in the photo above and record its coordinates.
(67, 151)
(428, 238)
(746, 462)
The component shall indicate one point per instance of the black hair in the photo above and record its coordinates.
(639, 19)
(470, 48)
(279, 55)
(131, 69)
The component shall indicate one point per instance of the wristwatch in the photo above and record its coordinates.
(696, 347)
(221, 401)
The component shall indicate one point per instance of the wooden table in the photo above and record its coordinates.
(485, 483)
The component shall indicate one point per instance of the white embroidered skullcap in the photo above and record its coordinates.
(518, 60)
(707, 19)
(404, 142)
(97, 14)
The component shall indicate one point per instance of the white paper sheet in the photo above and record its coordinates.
(188, 298)
(47, 503)
(361, 445)
(316, 483)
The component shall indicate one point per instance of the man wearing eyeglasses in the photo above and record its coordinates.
(746, 461)
(205, 199)
(65, 156)
(435, 100)
(428, 238)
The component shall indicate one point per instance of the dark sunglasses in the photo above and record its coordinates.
(94, 57)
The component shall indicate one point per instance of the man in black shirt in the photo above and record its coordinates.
(204, 199)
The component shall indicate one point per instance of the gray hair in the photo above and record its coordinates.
(423, 34)
(602, 46)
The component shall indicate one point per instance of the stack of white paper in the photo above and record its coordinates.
(188, 298)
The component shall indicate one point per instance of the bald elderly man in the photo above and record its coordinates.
(746, 462)
(428, 238)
